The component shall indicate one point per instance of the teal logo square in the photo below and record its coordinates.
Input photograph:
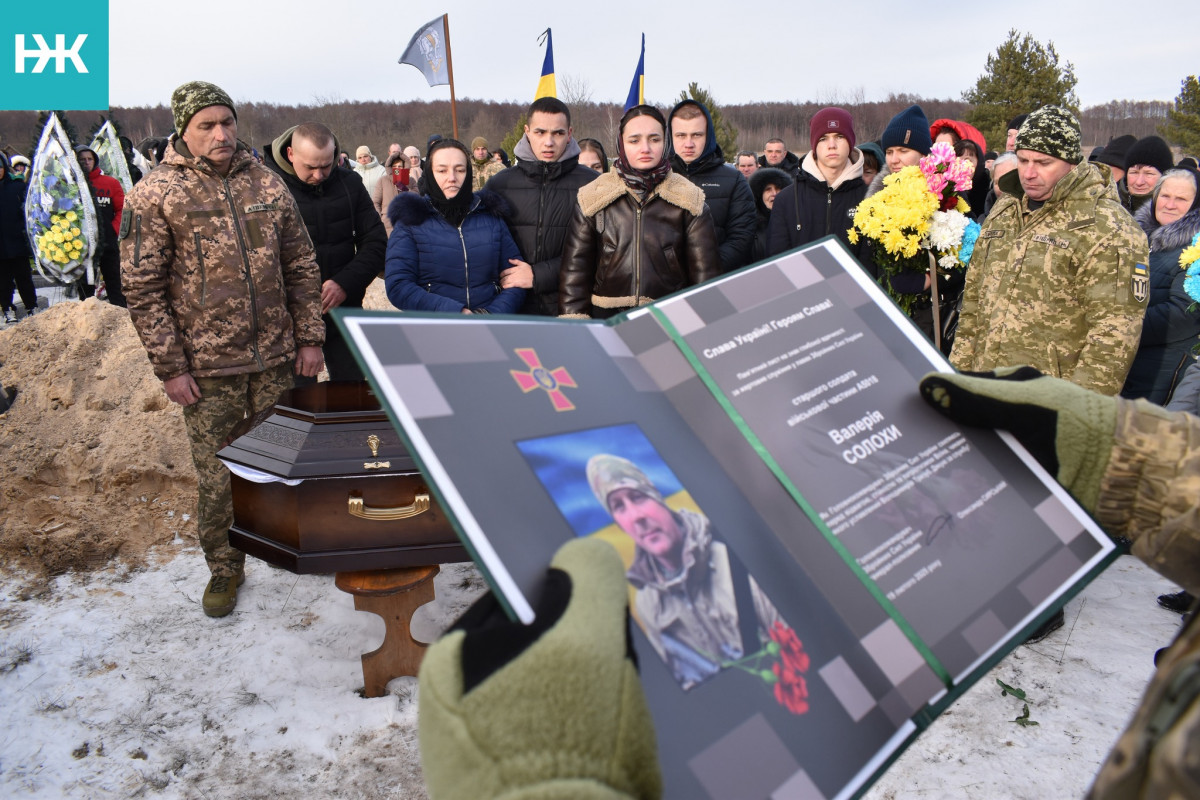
(54, 61)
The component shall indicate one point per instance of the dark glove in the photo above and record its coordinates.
(1068, 429)
(552, 709)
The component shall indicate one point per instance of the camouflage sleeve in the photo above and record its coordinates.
(147, 261)
(1150, 492)
(1108, 285)
(301, 276)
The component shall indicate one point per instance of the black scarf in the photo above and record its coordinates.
(453, 209)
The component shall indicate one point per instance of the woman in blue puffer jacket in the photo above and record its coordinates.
(447, 250)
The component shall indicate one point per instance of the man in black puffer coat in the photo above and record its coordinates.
(540, 190)
(695, 154)
(827, 192)
(345, 229)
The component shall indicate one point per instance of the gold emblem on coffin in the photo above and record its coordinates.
(373, 443)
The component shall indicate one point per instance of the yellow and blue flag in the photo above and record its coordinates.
(637, 89)
(546, 87)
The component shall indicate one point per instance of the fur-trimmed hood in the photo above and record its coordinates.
(1172, 236)
(411, 209)
(675, 189)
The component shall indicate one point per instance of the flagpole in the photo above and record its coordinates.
(450, 74)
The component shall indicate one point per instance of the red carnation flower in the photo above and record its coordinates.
(791, 690)
(790, 648)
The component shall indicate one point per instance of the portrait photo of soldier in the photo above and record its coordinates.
(697, 605)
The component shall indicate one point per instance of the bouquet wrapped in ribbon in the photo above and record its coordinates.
(60, 217)
(111, 156)
(917, 222)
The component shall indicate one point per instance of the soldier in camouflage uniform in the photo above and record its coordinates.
(1058, 279)
(224, 290)
(1136, 468)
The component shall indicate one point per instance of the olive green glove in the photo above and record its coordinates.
(1068, 429)
(549, 710)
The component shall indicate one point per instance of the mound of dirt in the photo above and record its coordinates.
(94, 457)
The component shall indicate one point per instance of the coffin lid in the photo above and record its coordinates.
(320, 431)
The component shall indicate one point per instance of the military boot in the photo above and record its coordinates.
(220, 596)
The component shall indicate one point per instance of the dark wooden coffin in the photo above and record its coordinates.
(342, 494)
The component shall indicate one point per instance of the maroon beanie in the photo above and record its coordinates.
(831, 120)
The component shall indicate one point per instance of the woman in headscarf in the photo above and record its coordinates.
(393, 183)
(1171, 326)
(639, 232)
(447, 250)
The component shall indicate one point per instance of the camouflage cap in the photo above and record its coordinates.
(1054, 131)
(607, 473)
(195, 96)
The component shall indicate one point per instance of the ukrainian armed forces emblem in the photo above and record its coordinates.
(1140, 283)
(550, 381)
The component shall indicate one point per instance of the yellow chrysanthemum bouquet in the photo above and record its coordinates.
(917, 213)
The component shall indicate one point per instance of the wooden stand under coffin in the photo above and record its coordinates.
(324, 484)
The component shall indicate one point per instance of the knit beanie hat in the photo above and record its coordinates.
(196, 96)
(831, 120)
(362, 150)
(607, 473)
(1152, 151)
(1016, 122)
(1115, 151)
(1054, 131)
(909, 128)
(477, 143)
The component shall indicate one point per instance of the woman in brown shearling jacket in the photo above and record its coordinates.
(639, 232)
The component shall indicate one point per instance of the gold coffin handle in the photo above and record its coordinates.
(359, 509)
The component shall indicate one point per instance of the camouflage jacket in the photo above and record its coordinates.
(481, 173)
(1062, 288)
(219, 272)
(1151, 494)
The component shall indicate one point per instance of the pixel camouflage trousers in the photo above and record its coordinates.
(225, 401)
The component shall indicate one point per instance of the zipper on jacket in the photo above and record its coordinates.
(237, 226)
(203, 271)
(137, 240)
(637, 261)
(466, 267)
(828, 210)
(539, 233)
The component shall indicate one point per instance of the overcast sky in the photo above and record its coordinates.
(300, 51)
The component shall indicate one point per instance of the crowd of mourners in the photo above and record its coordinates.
(230, 260)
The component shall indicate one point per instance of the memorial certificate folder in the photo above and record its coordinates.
(818, 563)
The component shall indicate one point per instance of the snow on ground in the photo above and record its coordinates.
(113, 684)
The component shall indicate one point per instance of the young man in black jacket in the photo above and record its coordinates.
(695, 154)
(827, 192)
(345, 229)
(540, 189)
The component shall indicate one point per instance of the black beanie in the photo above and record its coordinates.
(1152, 151)
(909, 128)
(1115, 151)
(1016, 122)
